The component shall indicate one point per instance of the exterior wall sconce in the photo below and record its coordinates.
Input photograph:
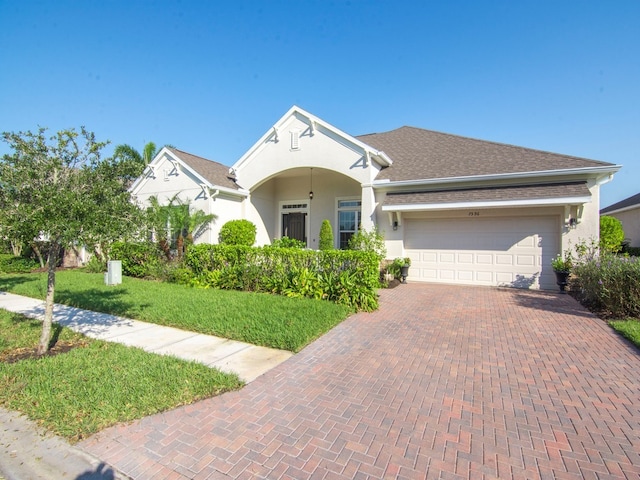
(572, 223)
(395, 225)
(311, 184)
(310, 195)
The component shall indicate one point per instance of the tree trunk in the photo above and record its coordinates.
(16, 247)
(36, 249)
(45, 337)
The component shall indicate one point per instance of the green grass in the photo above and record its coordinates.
(257, 318)
(629, 328)
(97, 384)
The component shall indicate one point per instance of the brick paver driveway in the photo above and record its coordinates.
(441, 382)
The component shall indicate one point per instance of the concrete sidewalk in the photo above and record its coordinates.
(248, 361)
(27, 451)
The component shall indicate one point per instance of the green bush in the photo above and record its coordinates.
(286, 242)
(11, 264)
(238, 232)
(326, 236)
(609, 284)
(139, 259)
(345, 277)
(394, 268)
(95, 265)
(611, 234)
(369, 241)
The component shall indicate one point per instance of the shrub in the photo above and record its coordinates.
(345, 277)
(369, 241)
(286, 242)
(95, 265)
(609, 284)
(394, 268)
(139, 259)
(11, 264)
(611, 234)
(238, 232)
(326, 236)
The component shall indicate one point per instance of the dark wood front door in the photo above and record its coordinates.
(293, 226)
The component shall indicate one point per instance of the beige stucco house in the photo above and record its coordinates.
(628, 212)
(465, 211)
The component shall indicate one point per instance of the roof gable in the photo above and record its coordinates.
(420, 154)
(215, 173)
(314, 123)
(631, 202)
(207, 173)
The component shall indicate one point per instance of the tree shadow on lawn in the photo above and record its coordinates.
(9, 282)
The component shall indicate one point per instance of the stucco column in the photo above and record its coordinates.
(368, 208)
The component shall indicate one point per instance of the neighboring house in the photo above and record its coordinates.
(628, 212)
(465, 211)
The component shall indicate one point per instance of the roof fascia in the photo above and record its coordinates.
(493, 204)
(620, 210)
(314, 122)
(605, 173)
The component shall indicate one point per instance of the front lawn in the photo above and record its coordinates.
(629, 328)
(257, 318)
(95, 384)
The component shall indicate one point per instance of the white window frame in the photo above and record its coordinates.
(351, 208)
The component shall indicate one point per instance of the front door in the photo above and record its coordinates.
(294, 226)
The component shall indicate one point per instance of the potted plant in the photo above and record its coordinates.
(562, 268)
(400, 268)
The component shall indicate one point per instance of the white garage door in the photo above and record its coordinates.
(499, 251)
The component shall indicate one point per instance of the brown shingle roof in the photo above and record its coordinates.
(424, 154)
(627, 202)
(214, 172)
(489, 194)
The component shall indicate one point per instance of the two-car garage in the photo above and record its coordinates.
(473, 248)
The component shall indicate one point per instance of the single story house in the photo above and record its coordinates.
(465, 211)
(628, 212)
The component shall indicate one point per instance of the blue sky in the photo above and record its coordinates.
(211, 77)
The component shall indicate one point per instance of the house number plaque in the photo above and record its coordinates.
(474, 214)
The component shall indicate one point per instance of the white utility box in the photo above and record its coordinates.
(114, 272)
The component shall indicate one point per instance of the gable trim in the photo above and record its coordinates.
(315, 124)
(179, 165)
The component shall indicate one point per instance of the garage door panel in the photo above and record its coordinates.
(465, 258)
(504, 259)
(484, 259)
(514, 251)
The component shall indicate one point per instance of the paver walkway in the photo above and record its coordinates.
(441, 382)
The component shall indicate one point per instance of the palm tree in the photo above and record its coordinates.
(126, 153)
(177, 221)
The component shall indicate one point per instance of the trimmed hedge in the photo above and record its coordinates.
(342, 276)
(139, 259)
(11, 264)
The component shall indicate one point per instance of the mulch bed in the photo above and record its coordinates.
(18, 354)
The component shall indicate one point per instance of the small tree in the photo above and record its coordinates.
(238, 232)
(60, 190)
(326, 236)
(611, 234)
(371, 241)
(176, 220)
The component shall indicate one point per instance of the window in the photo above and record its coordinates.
(348, 220)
